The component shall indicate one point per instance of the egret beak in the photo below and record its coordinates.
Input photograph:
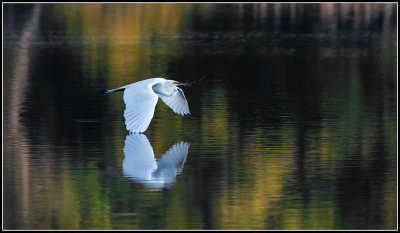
(182, 84)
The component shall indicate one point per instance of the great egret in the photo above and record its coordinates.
(140, 165)
(141, 98)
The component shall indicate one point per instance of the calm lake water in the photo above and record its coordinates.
(293, 127)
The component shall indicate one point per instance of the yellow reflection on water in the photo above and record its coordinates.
(258, 178)
(214, 122)
(136, 38)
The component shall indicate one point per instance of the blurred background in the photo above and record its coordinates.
(293, 127)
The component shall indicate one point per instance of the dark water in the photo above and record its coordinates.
(294, 127)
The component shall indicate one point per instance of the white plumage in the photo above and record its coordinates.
(141, 98)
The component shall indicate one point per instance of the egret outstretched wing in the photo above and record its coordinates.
(176, 101)
(140, 101)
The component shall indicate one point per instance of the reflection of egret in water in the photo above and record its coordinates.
(140, 165)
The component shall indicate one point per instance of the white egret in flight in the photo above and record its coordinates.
(141, 98)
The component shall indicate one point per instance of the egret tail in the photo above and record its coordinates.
(111, 91)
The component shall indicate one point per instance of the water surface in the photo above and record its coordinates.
(293, 127)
